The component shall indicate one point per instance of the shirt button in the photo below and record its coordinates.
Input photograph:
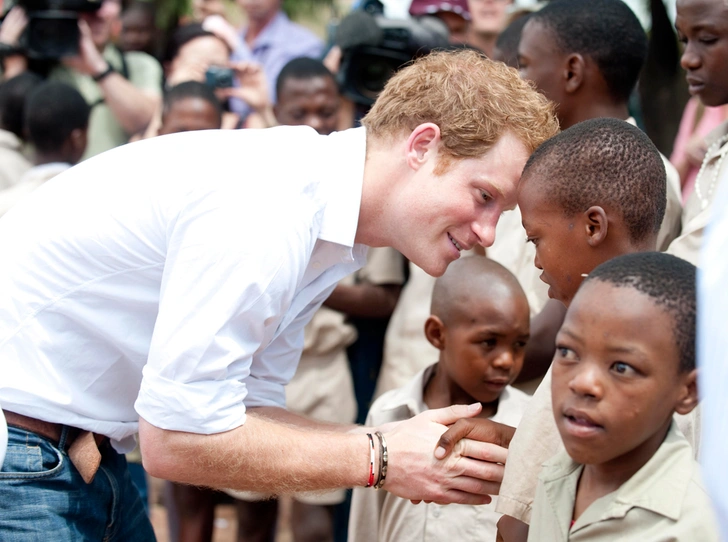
(317, 265)
(436, 512)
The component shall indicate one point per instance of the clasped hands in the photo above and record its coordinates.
(447, 456)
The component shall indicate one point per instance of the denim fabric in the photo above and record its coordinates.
(43, 497)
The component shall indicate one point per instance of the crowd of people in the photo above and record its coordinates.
(473, 302)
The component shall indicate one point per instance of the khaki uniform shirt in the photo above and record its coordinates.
(537, 439)
(104, 131)
(13, 164)
(663, 501)
(379, 516)
(31, 179)
(698, 207)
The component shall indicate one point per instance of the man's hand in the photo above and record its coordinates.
(478, 429)
(468, 475)
(13, 25)
(89, 60)
(253, 88)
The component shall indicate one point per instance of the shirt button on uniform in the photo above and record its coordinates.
(317, 265)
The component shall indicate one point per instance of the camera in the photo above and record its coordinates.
(219, 77)
(374, 47)
(52, 31)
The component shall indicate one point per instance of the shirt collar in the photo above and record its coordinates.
(342, 162)
(410, 397)
(271, 32)
(10, 141)
(659, 486)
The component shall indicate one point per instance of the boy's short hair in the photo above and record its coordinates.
(607, 31)
(191, 89)
(606, 162)
(52, 112)
(670, 282)
(13, 96)
(465, 275)
(302, 68)
(473, 100)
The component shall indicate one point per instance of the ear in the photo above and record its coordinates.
(595, 225)
(574, 73)
(688, 398)
(435, 332)
(422, 145)
(78, 138)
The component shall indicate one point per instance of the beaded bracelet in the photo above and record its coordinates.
(370, 483)
(383, 459)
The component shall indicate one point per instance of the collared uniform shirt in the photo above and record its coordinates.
(699, 205)
(537, 439)
(279, 42)
(164, 280)
(662, 502)
(379, 516)
(30, 180)
(13, 163)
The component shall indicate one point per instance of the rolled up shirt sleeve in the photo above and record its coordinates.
(230, 275)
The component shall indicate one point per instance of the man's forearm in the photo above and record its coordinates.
(262, 455)
(133, 108)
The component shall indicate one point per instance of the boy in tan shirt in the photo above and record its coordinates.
(627, 473)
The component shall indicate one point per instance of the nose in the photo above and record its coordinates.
(690, 60)
(537, 262)
(586, 382)
(504, 360)
(484, 229)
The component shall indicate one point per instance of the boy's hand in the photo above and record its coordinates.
(469, 475)
(477, 429)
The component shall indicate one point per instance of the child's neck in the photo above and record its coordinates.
(599, 480)
(440, 392)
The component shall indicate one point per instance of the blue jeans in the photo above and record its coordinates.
(43, 497)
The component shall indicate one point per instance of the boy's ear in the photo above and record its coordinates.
(574, 72)
(595, 225)
(688, 397)
(422, 144)
(435, 332)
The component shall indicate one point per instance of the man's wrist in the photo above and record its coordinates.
(103, 74)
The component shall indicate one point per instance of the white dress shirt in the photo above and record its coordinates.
(172, 278)
(713, 354)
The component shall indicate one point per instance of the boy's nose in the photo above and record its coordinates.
(689, 60)
(504, 360)
(536, 262)
(586, 382)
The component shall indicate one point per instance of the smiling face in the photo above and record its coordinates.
(483, 344)
(616, 381)
(562, 251)
(488, 16)
(702, 25)
(310, 102)
(438, 216)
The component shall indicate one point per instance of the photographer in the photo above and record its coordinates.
(123, 89)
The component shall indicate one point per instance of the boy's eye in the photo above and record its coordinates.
(623, 368)
(531, 240)
(490, 343)
(566, 353)
(521, 344)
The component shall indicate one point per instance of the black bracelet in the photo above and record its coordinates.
(108, 71)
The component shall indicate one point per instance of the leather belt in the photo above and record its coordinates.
(82, 446)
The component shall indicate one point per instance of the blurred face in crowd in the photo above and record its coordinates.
(188, 115)
(488, 16)
(204, 8)
(102, 22)
(540, 61)
(702, 25)
(137, 31)
(457, 26)
(451, 211)
(310, 102)
(195, 57)
(260, 10)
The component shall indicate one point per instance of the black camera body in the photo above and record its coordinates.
(374, 47)
(219, 77)
(52, 31)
